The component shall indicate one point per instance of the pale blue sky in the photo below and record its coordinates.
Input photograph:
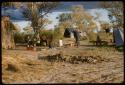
(52, 16)
(64, 7)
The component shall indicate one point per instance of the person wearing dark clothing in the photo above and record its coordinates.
(29, 43)
(43, 40)
(77, 36)
(98, 40)
(50, 40)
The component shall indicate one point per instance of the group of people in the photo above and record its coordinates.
(48, 40)
(32, 42)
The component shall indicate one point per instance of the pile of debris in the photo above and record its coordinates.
(74, 59)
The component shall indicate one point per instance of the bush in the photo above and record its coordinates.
(92, 36)
(20, 37)
(103, 36)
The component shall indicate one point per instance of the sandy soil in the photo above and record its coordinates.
(21, 66)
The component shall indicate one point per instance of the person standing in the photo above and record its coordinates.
(98, 40)
(28, 42)
(77, 37)
(50, 41)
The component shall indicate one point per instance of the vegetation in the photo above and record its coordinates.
(35, 12)
(81, 18)
(8, 29)
(78, 18)
(20, 37)
(116, 9)
(62, 64)
(92, 36)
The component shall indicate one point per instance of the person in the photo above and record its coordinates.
(30, 43)
(98, 40)
(77, 36)
(44, 40)
(50, 41)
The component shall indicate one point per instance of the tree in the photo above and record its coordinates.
(7, 4)
(105, 25)
(12, 4)
(80, 17)
(115, 8)
(64, 22)
(64, 17)
(35, 12)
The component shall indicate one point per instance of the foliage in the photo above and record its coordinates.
(64, 17)
(105, 25)
(116, 9)
(92, 36)
(35, 12)
(20, 37)
(103, 36)
(11, 4)
(80, 17)
(58, 33)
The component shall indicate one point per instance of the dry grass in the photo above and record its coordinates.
(29, 69)
(103, 36)
(17, 68)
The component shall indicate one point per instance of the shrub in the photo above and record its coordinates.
(92, 36)
(20, 37)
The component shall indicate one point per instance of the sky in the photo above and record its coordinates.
(64, 7)
(52, 16)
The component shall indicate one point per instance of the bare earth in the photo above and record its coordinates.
(22, 66)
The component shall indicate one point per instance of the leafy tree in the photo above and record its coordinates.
(35, 12)
(64, 22)
(64, 17)
(8, 4)
(81, 18)
(116, 9)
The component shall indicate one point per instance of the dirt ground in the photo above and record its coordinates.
(22, 66)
